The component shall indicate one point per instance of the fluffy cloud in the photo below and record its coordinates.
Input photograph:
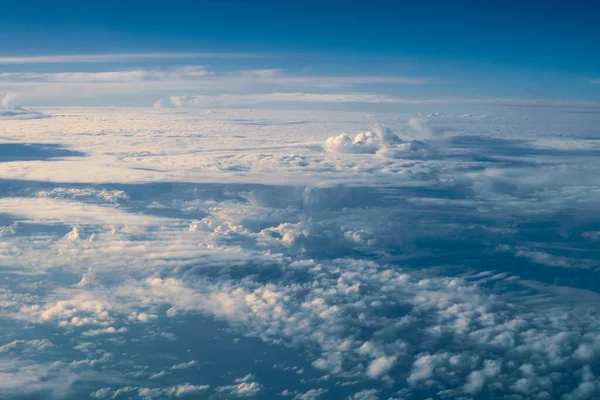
(151, 393)
(379, 141)
(243, 387)
(10, 110)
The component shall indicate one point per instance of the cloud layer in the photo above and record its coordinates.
(260, 254)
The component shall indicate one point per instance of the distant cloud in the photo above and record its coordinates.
(596, 81)
(381, 141)
(186, 72)
(261, 73)
(7, 101)
(249, 99)
(243, 387)
(42, 86)
(118, 57)
(10, 110)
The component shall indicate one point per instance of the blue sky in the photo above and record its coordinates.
(466, 49)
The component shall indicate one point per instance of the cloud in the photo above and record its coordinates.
(176, 391)
(104, 331)
(233, 99)
(311, 394)
(261, 73)
(380, 366)
(186, 365)
(367, 394)
(10, 110)
(379, 272)
(379, 141)
(550, 260)
(119, 57)
(42, 86)
(249, 99)
(7, 101)
(179, 73)
(26, 345)
(243, 387)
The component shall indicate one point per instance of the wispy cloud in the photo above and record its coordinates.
(595, 81)
(264, 76)
(247, 99)
(118, 57)
(192, 71)
(190, 79)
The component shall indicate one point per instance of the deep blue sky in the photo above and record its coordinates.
(492, 48)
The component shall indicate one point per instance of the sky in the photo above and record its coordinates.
(434, 49)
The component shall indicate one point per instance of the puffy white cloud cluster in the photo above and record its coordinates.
(380, 140)
(243, 387)
(145, 393)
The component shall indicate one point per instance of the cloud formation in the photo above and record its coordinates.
(353, 271)
(233, 99)
(118, 57)
(380, 141)
(10, 110)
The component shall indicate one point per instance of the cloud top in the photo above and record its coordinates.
(380, 140)
(10, 110)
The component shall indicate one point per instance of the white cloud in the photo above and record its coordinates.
(176, 391)
(261, 73)
(10, 110)
(7, 101)
(245, 99)
(26, 345)
(244, 387)
(380, 366)
(140, 75)
(311, 394)
(367, 394)
(186, 365)
(380, 141)
(250, 99)
(104, 331)
(117, 57)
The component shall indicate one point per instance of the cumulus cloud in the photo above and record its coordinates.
(26, 345)
(367, 394)
(380, 366)
(10, 110)
(380, 141)
(176, 391)
(243, 387)
(311, 394)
